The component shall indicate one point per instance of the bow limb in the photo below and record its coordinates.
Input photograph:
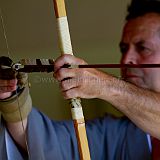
(76, 108)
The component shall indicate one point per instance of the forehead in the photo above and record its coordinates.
(144, 26)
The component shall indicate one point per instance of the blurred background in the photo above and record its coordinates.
(95, 28)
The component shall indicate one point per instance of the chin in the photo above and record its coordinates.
(137, 82)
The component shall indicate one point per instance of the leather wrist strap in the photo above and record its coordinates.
(10, 106)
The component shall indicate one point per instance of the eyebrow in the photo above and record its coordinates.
(141, 42)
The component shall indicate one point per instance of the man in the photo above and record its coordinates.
(137, 97)
(139, 45)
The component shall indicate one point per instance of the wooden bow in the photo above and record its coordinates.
(76, 108)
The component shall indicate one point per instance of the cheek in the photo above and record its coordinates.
(152, 79)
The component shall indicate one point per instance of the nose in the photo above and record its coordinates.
(129, 57)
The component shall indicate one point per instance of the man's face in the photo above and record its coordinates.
(140, 44)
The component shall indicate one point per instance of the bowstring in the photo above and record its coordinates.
(9, 55)
(4, 34)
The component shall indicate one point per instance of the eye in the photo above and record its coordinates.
(123, 48)
(142, 49)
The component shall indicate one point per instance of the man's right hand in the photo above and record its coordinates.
(7, 87)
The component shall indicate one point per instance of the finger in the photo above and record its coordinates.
(65, 73)
(9, 83)
(69, 84)
(67, 59)
(72, 93)
(5, 95)
(6, 89)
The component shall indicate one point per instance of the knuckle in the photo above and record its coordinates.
(81, 61)
(84, 72)
(60, 74)
(63, 85)
(66, 95)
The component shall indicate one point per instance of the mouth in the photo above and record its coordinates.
(130, 76)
